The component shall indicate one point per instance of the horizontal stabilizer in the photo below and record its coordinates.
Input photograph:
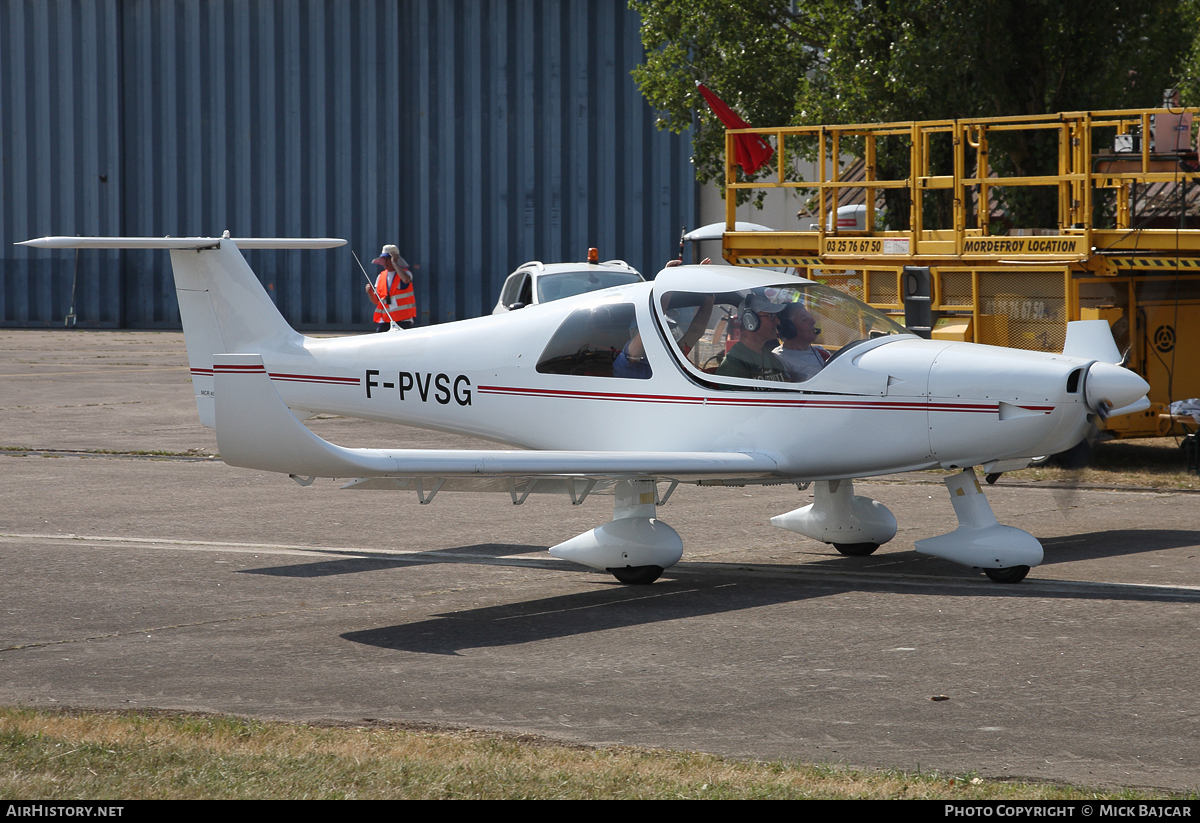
(223, 305)
(255, 429)
(182, 242)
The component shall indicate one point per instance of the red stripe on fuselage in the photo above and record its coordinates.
(225, 369)
(777, 402)
(670, 399)
(283, 377)
(315, 378)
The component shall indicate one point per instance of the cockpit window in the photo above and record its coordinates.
(599, 341)
(779, 334)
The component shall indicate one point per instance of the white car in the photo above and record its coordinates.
(536, 282)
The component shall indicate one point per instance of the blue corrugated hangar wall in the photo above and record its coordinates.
(475, 135)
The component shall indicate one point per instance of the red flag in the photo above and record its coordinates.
(752, 151)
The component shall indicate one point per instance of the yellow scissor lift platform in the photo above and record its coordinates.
(1139, 269)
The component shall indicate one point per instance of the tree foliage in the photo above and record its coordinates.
(1190, 74)
(809, 62)
(726, 45)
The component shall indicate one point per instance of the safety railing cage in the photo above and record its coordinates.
(941, 187)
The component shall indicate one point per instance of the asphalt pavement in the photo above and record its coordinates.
(143, 573)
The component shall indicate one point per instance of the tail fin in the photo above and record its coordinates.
(221, 303)
(224, 309)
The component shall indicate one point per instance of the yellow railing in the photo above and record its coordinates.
(1084, 167)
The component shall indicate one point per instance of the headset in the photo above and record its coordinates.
(747, 316)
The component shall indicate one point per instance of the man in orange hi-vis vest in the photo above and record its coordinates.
(392, 293)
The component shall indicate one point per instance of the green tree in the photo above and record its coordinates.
(1190, 80)
(754, 55)
(809, 62)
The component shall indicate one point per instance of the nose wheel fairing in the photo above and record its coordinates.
(980, 541)
(856, 525)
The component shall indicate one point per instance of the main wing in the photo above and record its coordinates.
(255, 429)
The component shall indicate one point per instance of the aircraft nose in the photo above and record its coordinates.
(1117, 386)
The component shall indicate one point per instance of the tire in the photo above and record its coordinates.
(1012, 574)
(637, 575)
(856, 549)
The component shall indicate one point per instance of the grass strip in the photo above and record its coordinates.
(99, 755)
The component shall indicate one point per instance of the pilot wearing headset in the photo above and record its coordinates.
(752, 356)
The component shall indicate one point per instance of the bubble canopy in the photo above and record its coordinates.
(737, 327)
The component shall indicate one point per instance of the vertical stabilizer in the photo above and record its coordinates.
(224, 308)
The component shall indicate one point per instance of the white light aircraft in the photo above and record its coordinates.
(632, 390)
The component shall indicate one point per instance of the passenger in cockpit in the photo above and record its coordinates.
(631, 362)
(801, 357)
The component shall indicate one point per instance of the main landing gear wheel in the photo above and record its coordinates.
(856, 549)
(639, 575)
(1012, 574)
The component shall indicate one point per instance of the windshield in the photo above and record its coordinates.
(570, 283)
(781, 334)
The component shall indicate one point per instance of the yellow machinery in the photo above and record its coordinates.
(1123, 249)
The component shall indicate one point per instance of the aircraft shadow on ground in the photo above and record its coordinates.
(354, 565)
(610, 607)
(699, 588)
(1059, 550)
(1097, 545)
(704, 590)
